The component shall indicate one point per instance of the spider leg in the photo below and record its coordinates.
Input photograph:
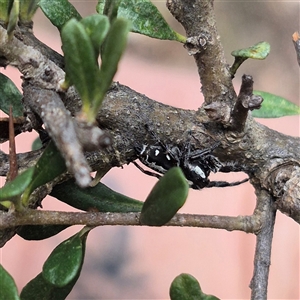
(225, 183)
(145, 171)
(193, 155)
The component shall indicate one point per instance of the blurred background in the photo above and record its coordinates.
(140, 263)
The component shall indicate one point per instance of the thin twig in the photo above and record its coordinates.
(296, 41)
(249, 224)
(262, 259)
(13, 163)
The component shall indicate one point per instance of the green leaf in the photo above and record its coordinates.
(166, 198)
(39, 288)
(59, 12)
(99, 7)
(275, 106)
(12, 190)
(37, 144)
(13, 17)
(110, 9)
(39, 232)
(147, 20)
(5, 7)
(112, 51)
(64, 262)
(187, 287)
(8, 289)
(42, 289)
(50, 165)
(81, 65)
(10, 96)
(96, 26)
(99, 198)
(258, 51)
(27, 9)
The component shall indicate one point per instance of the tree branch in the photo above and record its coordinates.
(247, 224)
(198, 19)
(262, 259)
(246, 101)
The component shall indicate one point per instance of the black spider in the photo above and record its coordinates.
(196, 165)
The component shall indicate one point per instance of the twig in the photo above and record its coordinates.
(262, 259)
(246, 101)
(296, 41)
(249, 224)
(13, 163)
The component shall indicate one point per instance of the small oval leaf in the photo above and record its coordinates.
(96, 26)
(111, 53)
(185, 287)
(40, 288)
(59, 12)
(27, 9)
(147, 20)
(39, 232)
(10, 96)
(99, 198)
(110, 8)
(275, 106)
(37, 144)
(258, 51)
(165, 199)
(50, 165)
(13, 189)
(5, 7)
(64, 262)
(13, 17)
(81, 64)
(8, 289)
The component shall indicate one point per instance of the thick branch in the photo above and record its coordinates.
(288, 201)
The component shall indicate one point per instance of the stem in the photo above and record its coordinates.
(262, 259)
(198, 19)
(249, 224)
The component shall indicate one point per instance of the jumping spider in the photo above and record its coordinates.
(195, 164)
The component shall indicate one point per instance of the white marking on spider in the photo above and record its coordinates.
(197, 170)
